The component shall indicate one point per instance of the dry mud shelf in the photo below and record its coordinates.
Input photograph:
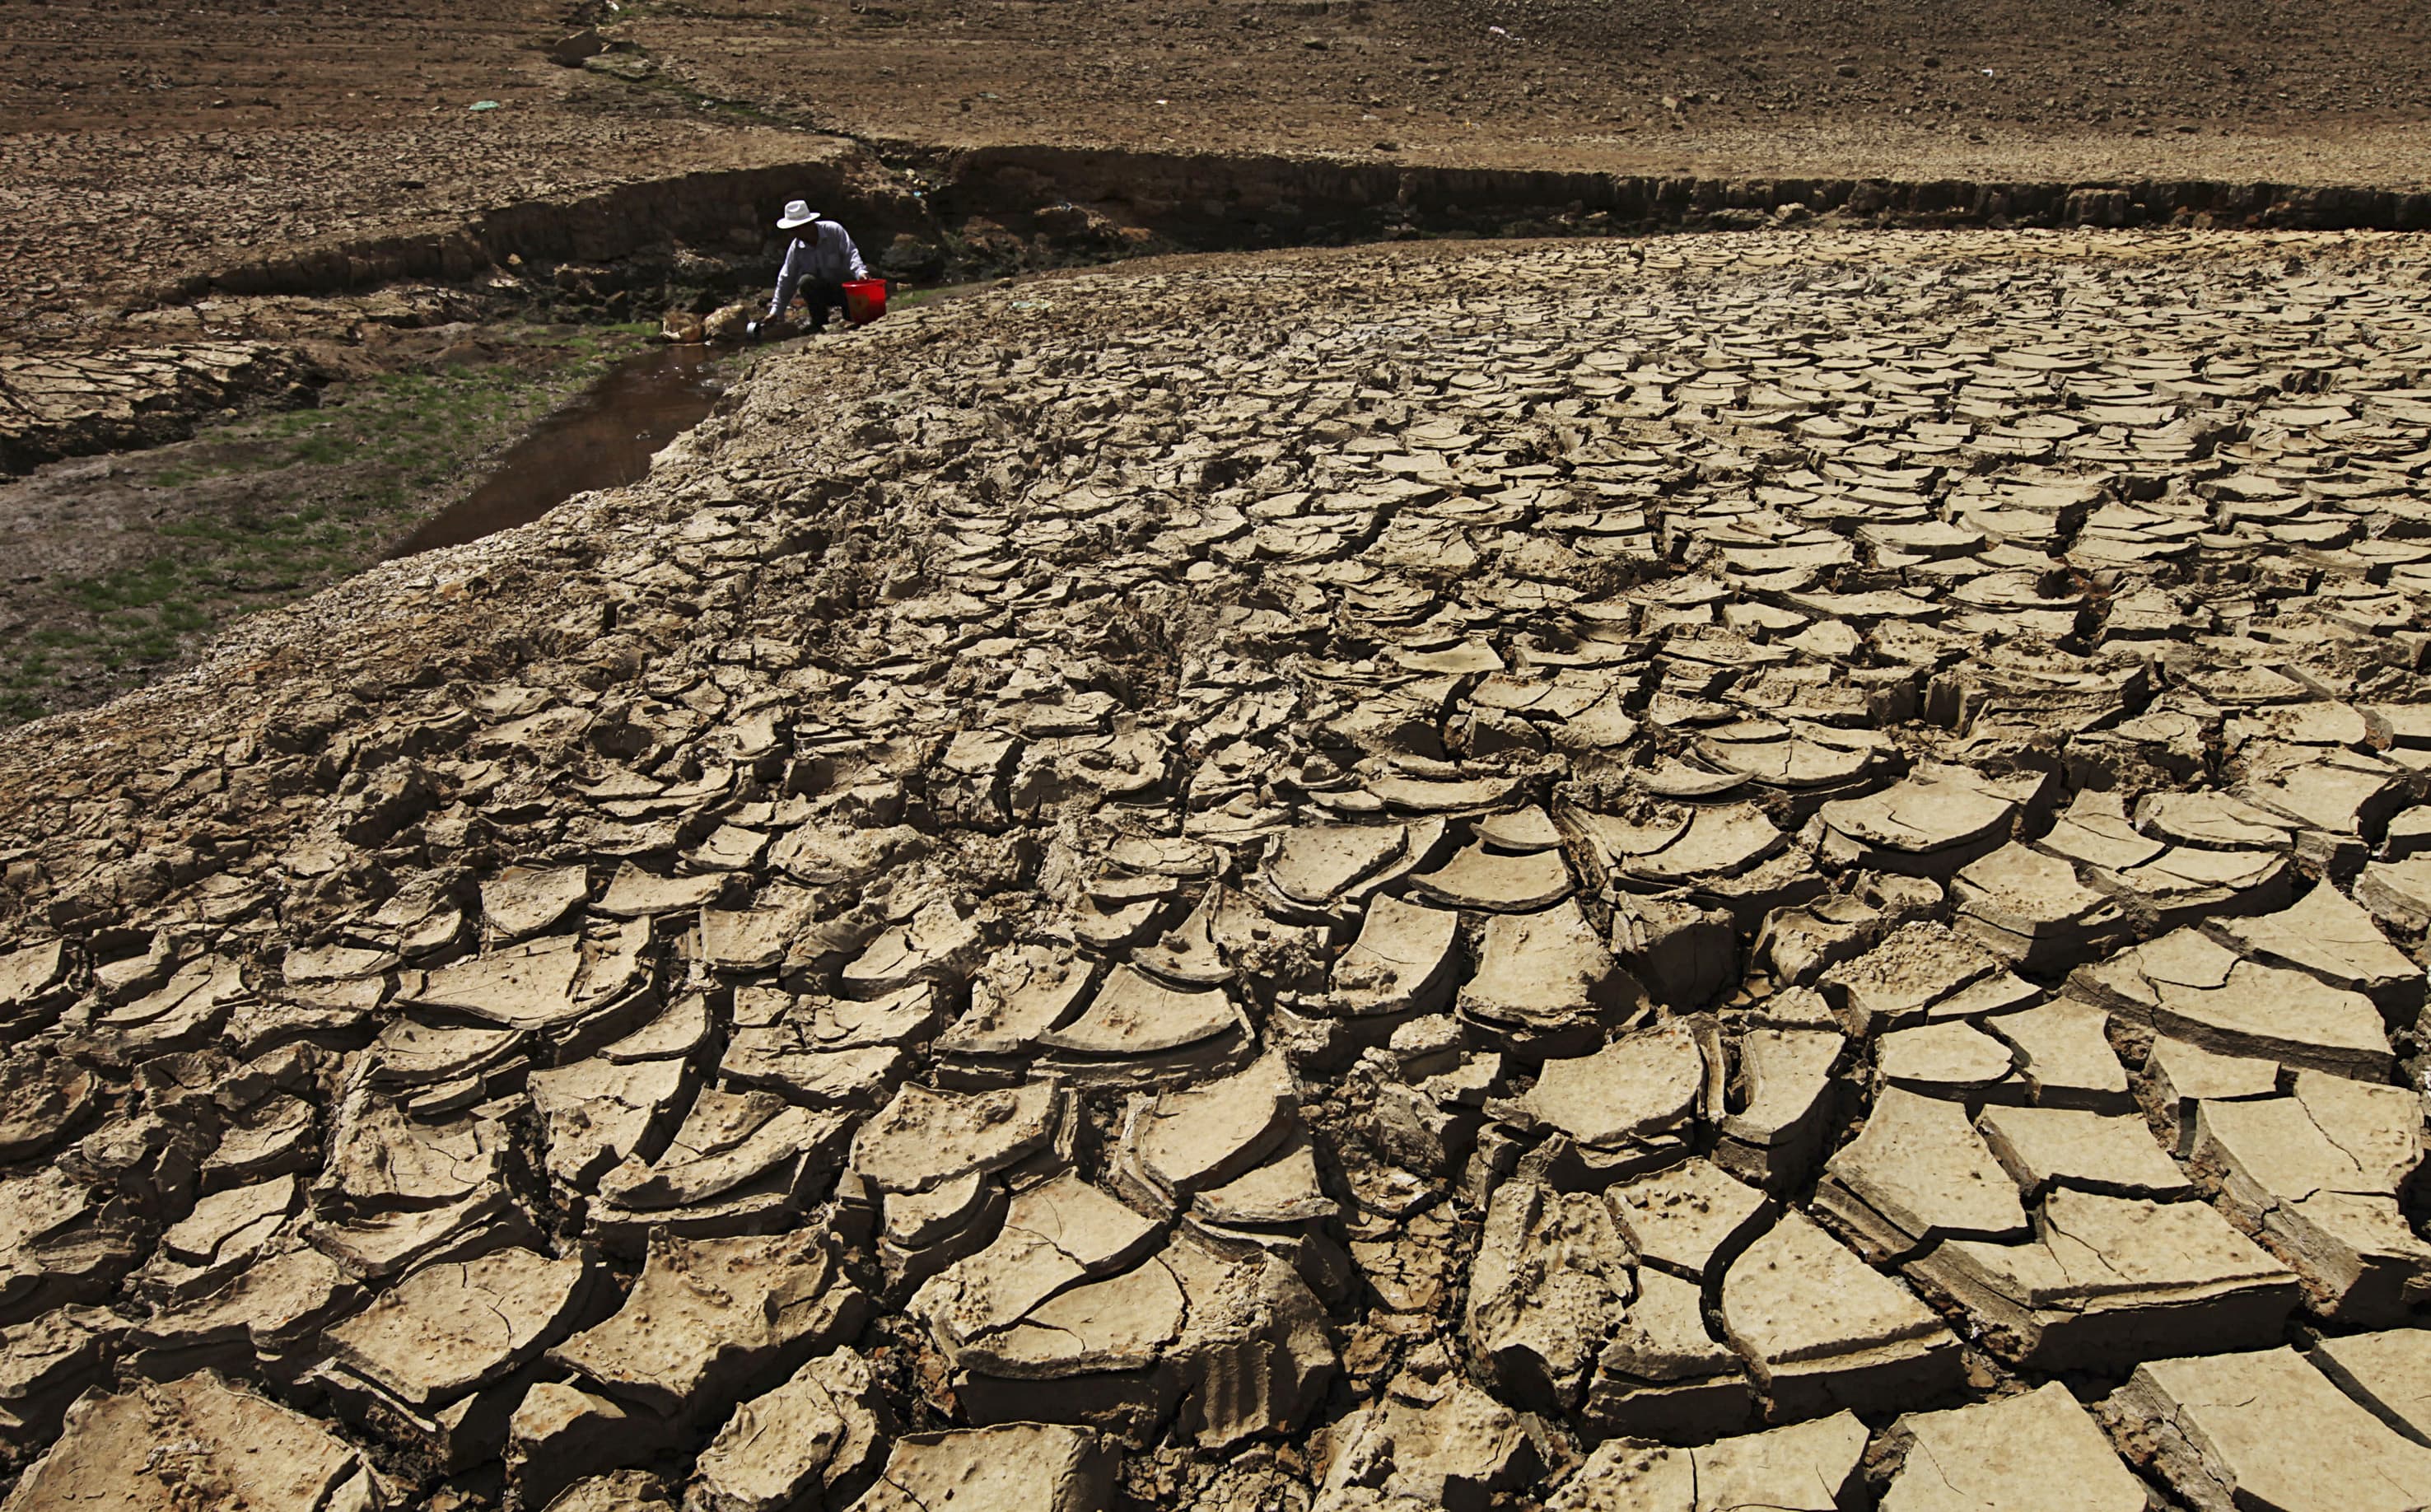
(1781, 871)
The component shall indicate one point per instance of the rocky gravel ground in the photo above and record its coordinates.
(1781, 870)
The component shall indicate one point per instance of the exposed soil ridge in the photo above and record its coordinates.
(1206, 201)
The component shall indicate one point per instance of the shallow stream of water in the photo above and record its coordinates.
(603, 439)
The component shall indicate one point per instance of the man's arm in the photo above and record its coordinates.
(789, 277)
(854, 266)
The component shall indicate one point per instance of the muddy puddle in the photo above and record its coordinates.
(601, 440)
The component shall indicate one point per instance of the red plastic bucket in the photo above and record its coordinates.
(864, 299)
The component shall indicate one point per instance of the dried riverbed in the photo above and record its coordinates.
(1784, 870)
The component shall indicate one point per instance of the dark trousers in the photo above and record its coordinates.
(819, 296)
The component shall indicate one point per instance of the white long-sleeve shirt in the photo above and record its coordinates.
(822, 252)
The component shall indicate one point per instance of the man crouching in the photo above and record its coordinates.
(820, 260)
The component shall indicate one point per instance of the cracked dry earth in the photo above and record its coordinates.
(1779, 871)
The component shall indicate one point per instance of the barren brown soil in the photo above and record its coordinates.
(1786, 866)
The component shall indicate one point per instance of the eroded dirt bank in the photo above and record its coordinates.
(1555, 874)
(959, 214)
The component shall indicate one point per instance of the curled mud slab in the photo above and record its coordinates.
(1779, 870)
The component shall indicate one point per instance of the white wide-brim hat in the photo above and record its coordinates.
(797, 213)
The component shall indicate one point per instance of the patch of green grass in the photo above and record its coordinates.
(325, 492)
